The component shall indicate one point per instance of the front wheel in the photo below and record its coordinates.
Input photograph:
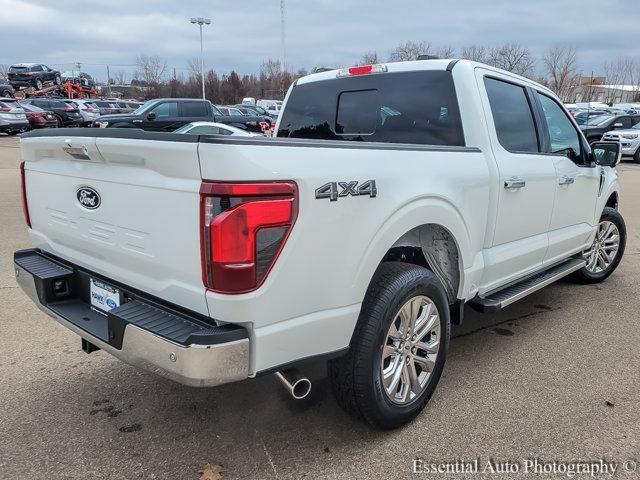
(398, 349)
(58, 80)
(607, 248)
(636, 156)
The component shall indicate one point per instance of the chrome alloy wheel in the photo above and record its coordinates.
(604, 248)
(410, 350)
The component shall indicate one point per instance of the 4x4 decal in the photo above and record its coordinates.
(332, 192)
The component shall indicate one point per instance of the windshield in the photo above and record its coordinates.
(145, 107)
(184, 128)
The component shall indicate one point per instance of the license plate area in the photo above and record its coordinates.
(103, 297)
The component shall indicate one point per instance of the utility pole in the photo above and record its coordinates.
(108, 81)
(282, 37)
(201, 21)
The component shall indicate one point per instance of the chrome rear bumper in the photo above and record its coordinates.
(209, 362)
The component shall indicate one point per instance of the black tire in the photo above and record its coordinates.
(6, 94)
(58, 122)
(584, 275)
(39, 84)
(58, 80)
(356, 377)
(11, 133)
(636, 156)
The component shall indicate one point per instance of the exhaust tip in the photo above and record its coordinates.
(295, 383)
(301, 389)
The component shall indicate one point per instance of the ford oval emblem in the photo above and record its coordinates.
(88, 197)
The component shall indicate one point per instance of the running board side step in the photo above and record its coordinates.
(499, 299)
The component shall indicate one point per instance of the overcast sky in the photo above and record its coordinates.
(318, 32)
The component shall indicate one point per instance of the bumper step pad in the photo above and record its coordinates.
(170, 323)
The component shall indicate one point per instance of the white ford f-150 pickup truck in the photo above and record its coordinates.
(392, 195)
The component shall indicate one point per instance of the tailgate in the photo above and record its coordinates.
(125, 208)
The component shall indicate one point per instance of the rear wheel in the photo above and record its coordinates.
(6, 94)
(398, 349)
(58, 80)
(38, 84)
(607, 249)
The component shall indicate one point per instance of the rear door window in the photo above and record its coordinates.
(194, 109)
(512, 116)
(406, 107)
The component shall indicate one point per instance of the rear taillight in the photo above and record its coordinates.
(264, 126)
(25, 205)
(244, 228)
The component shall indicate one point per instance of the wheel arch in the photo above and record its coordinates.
(430, 233)
(612, 201)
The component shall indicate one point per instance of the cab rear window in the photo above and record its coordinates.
(408, 107)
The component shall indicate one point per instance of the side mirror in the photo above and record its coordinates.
(606, 154)
(151, 116)
(617, 125)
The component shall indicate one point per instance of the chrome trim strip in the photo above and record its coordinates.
(542, 284)
(195, 365)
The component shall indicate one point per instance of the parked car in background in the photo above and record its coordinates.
(32, 75)
(253, 110)
(106, 107)
(248, 101)
(67, 114)
(168, 114)
(581, 116)
(88, 110)
(596, 127)
(13, 120)
(125, 107)
(274, 111)
(82, 78)
(39, 118)
(212, 128)
(229, 110)
(6, 90)
(629, 140)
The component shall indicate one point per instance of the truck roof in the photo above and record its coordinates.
(416, 65)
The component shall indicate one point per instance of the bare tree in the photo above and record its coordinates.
(476, 53)
(617, 73)
(193, 67)
(150, 68)
(446, 51)
(409, 51)
(634, 79)
(561, 67)
(513, 58)
(3, 70)
(119, 77)
(369, 58)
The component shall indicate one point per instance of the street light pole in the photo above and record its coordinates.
(201, 21)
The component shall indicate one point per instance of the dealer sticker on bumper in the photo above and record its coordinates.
(104, 297)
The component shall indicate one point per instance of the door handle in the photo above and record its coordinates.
(565, 180)
(514, 182)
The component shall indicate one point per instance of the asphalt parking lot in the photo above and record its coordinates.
(556, 376)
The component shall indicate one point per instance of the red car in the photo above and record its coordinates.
(39, 118)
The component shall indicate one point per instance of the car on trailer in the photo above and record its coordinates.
(32, 75)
